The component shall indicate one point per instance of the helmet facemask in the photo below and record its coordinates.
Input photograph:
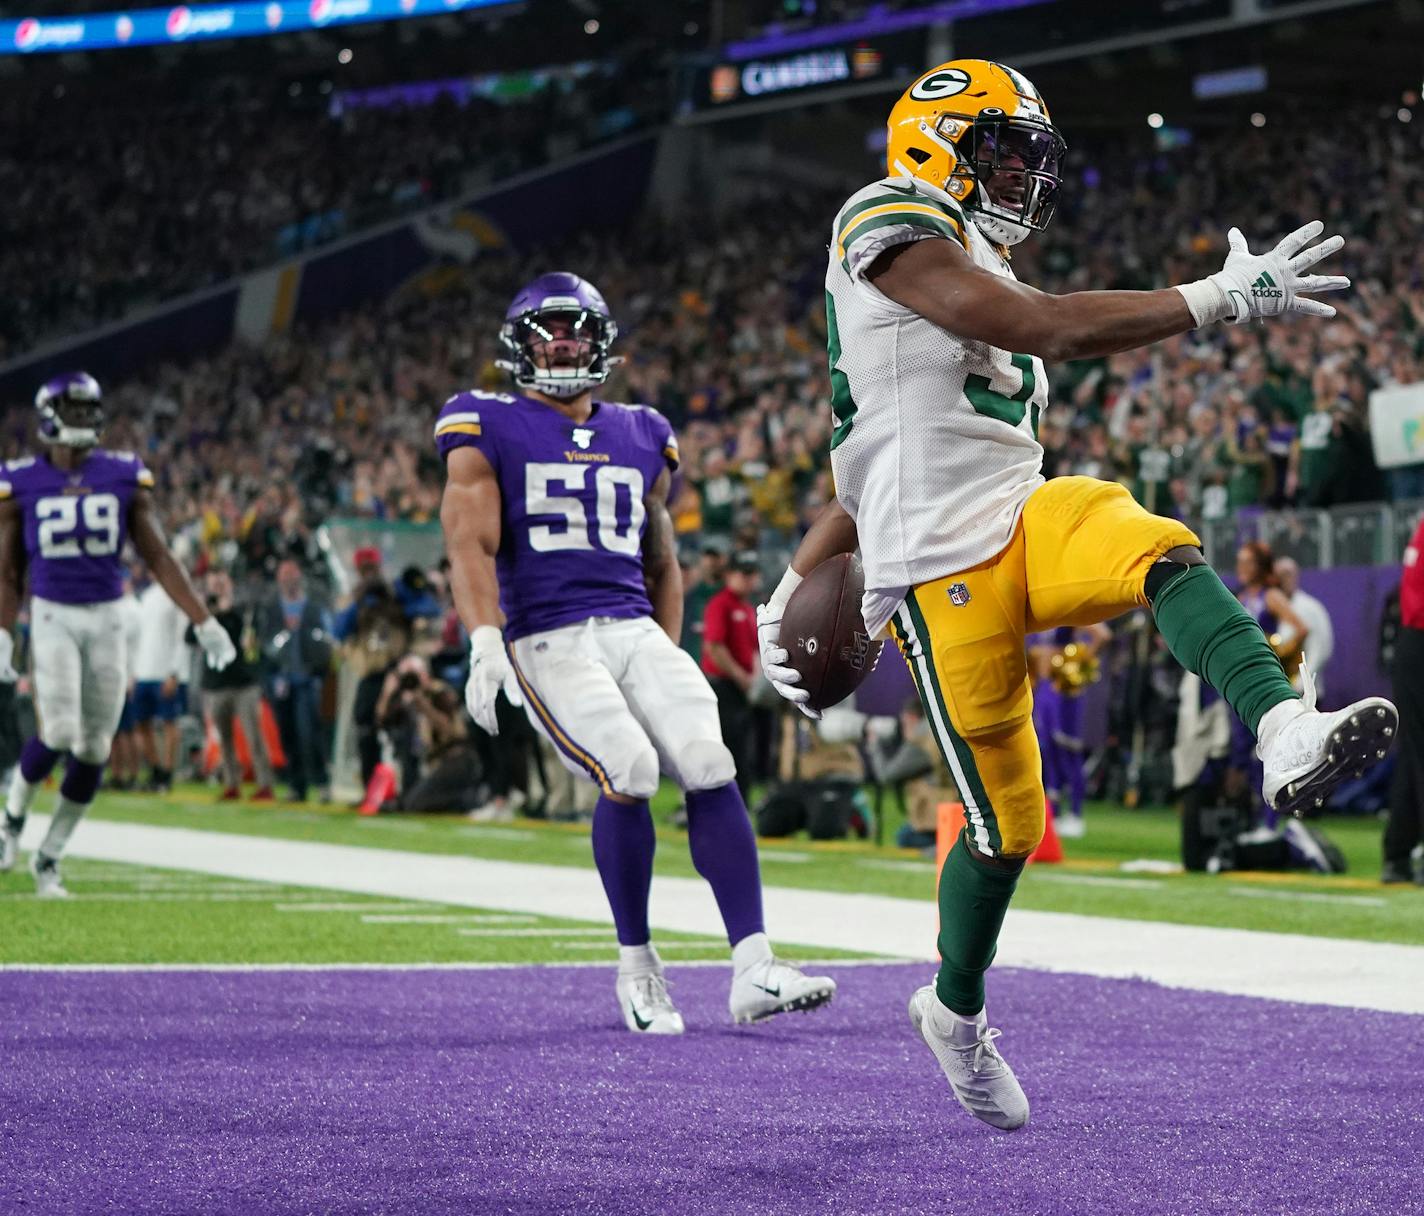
(1016, 167)
(561, 352)
(71, 411)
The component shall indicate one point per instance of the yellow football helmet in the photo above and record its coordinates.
(979, 132)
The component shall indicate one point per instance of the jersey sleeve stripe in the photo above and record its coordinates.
(459, 428)
(921, 215)
(940, 225)
(6, 490)
(447, 421)
(900, 198)
(144, 478)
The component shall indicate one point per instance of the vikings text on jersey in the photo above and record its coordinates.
(573, 514)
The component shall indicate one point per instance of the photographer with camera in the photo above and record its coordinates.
(232, 695)
(423, 719)
(375, 629)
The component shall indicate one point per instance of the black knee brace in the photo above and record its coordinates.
(1168, 569)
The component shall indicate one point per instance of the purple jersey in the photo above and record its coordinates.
(75, 523)
(571, 535)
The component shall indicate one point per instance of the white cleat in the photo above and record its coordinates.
(981, 1079)
(492, 812)
(1069, 827)
(48, 884)
(1309, 753)
(772, 986)
(647, 1007)
(9, 844)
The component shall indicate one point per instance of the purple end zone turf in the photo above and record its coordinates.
(518, 1091)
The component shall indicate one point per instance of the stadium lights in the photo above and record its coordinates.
(591, 26)
(343, 55)
(1154, 120)
(1258, 119)
(1405, 114)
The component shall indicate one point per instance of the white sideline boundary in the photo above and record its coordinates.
(1279, 966)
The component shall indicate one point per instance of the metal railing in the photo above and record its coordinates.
(1362, 534)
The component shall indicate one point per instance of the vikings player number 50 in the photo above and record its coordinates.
(563, 567)
(614, 534)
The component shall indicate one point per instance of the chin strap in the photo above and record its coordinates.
(76, 437)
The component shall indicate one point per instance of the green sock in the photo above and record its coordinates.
(973, 898)
(1212, 635)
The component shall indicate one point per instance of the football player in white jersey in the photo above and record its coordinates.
(937, 384)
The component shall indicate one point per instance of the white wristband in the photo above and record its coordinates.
(1206, 301)
(789, 582)
(485, 640)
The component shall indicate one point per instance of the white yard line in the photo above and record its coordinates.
(892, 866)
(468, 918)
(1330, 971)
(519, 835)
(316, 906)
(532, 932)
(1099, 880)
(1308, 897)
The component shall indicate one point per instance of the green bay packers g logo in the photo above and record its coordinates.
(944, 83)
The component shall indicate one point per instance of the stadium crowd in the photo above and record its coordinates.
(256, 447)
(217, 189)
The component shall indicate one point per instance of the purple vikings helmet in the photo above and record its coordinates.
(557, 332)
(71, 410)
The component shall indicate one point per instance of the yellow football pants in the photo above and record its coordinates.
(1079, 555)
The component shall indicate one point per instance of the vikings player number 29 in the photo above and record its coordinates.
(614, 534)
(60, 520)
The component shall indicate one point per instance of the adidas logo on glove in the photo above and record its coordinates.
(1264, 288)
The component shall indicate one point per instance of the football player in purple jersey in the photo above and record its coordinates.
(65, 516)
(563, 567)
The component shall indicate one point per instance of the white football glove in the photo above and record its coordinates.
(8, 674)
(216, 644)
(775, 659)
(489, 670)
(1253, 285)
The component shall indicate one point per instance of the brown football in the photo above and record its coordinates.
(824, 633)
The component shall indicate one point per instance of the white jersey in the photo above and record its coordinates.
(936, 446)
(161, 652)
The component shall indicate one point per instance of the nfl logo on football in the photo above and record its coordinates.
(958, 594)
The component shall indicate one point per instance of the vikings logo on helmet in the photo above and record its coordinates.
(557, 331)
(71, 410)
(979, 133)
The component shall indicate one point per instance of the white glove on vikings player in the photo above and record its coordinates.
(489, 670)
(774, 656)
(216, 644)
(1253, 285)
(8, 674)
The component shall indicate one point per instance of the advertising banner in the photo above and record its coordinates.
(1397, 425)
(205, 22)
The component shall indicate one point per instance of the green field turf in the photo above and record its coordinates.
(1092, 882)
(144, 915)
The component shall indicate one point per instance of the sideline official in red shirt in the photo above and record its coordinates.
(729, 658)
(1405, 829)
